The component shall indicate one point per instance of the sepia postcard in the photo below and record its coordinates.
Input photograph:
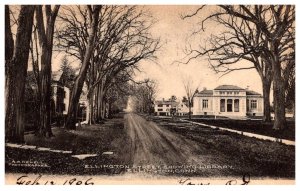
(150, 94)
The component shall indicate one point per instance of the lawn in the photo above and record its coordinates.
(258, 157)
(253, 126)
(94, 139)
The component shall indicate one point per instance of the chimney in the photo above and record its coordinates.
(247, 88)
(163, 99)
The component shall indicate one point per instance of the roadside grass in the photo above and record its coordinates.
(93, 139)
(250, 155)
(253, 126)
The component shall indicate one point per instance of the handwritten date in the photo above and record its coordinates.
(25, 180)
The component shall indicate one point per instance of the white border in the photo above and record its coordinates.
(131, 187)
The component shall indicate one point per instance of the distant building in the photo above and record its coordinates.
(164, 107)
(228, 100)
(60, 94)
(168, 108)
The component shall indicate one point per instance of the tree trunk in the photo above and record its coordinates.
(278, 92)
(190, 107)
(266, 96)
(96, 105)
(100, 103)
(103, 110)
(16, 75)
(46, 42)
(279, 107)
(91, 110)
(35, 68)
(77, 88)
(37, 115)
(45, 108)
(9, 41)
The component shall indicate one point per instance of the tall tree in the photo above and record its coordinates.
(280, 35)
(190, 91)
(77, 88)
(122, 40)
(260, 34)
(290, 92)
(45, 36)
(16, 62)
(239, 40)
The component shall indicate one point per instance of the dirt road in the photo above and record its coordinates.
(151, 144)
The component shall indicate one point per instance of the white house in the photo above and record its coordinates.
(164, 107)
(60, 93)
(228, 100)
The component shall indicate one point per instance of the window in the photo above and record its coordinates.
(159, 105)
(167, 105)
(204, 103)
(222, 105)
(229, 105)
(160, 110)
(236, 93)
(236, 105)
(253, 104)
(229, 93)
(247, 104)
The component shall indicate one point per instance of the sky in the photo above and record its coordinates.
(175, 36)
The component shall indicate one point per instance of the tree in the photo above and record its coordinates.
(144, 94)
(240, 40)
(262, 35)
(173, 109)
(190, 90)
(173, 98)
(279, 32)
(45, 37)
(16, 62)
(77, 88)
(290, 87)
(68, 73)
(185, 100)
(122, 41)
